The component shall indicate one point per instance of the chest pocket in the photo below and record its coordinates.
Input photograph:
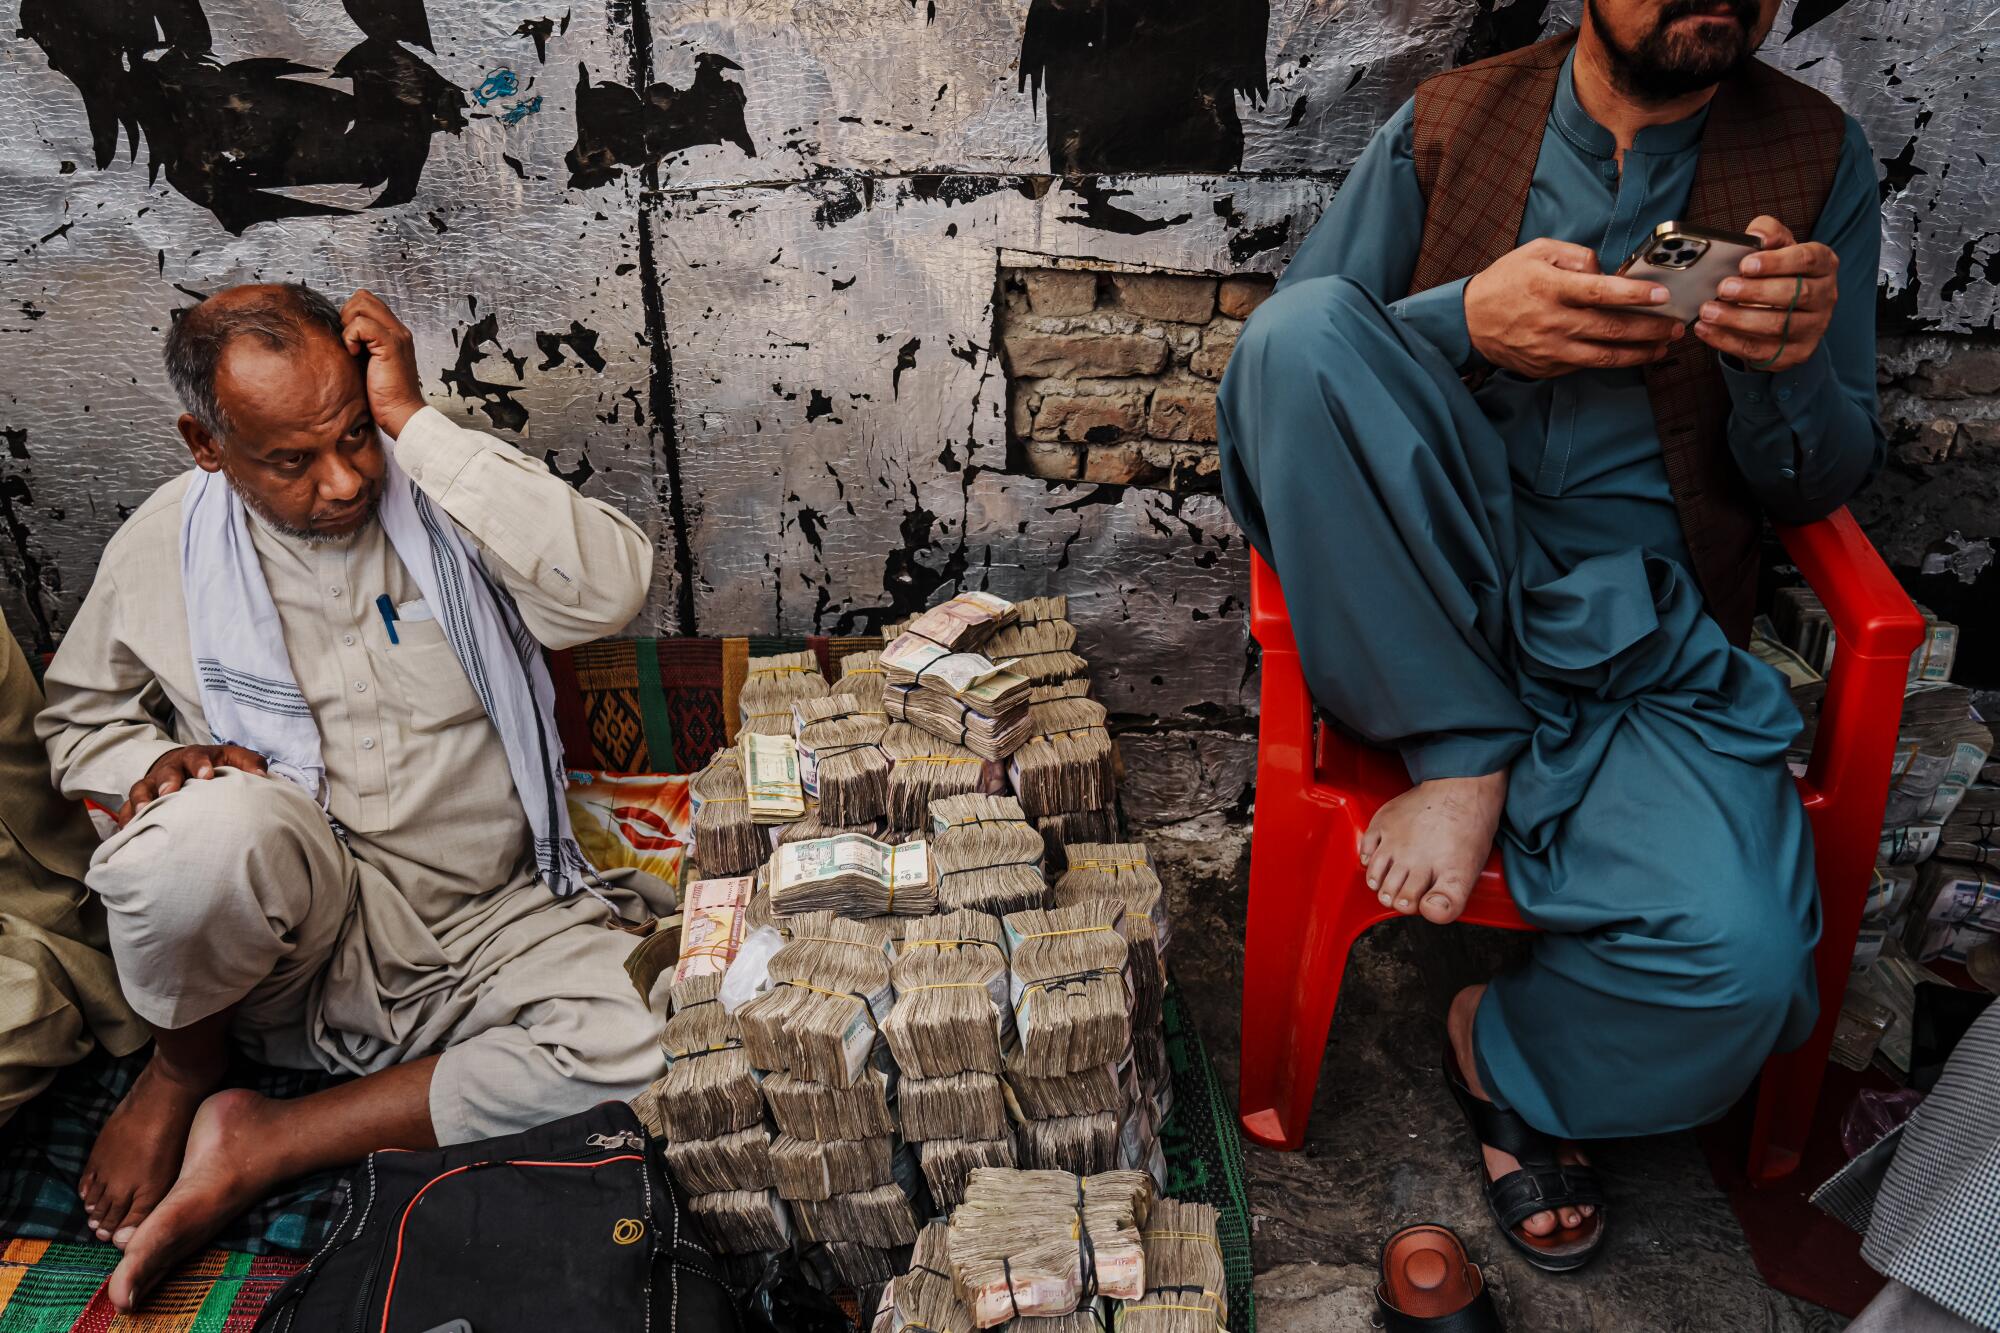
(427, 674)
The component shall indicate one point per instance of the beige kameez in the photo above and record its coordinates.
(426, 930)
(58, 992)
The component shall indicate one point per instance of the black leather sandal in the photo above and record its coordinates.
(1429, 1286)
(1543, 1184)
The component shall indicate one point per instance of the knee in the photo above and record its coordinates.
(181, 857)
(1750, 957)
(1295, 329)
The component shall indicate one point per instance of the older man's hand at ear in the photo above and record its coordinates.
(395, 389)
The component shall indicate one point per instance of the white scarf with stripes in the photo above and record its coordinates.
(251, 698)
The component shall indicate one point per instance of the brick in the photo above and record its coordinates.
(1239, 296)
(1965, 373)
(1096, 419)
(1122, 465)
(1932, 445)
(1069, 355)
(1057, 462)
(1184, 414)
(1166, 296)
(1217, 342)
(1060, 292)
(1021, 416)
(1979, 438)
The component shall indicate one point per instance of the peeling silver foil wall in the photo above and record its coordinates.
(731, 265)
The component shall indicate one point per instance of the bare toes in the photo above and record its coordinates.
(1571, 1219)
(1541, 1224)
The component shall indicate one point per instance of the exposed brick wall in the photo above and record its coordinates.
(1112, 375)
(1935, 511)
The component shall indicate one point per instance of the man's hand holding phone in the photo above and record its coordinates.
(1545, 309)
(1747, 317)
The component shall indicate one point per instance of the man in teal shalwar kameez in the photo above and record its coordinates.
(1465, 494)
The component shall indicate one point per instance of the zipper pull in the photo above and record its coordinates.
(624, 1138)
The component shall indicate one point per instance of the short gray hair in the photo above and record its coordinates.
(280, 318)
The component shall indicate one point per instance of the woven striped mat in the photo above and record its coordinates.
(50, 1287)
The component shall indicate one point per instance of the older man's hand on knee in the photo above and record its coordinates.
(174, 769)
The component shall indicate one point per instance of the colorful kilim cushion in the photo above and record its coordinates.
(665, 705)
(48, 1287)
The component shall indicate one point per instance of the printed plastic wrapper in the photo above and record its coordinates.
(642, 820)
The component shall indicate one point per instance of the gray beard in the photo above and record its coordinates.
(292, 531)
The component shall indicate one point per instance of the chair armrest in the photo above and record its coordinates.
(1270, 623)
(1876, 627)
(1872, 615)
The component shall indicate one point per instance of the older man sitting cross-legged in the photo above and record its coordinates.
(309, 669)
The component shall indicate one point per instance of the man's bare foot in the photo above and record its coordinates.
(1458, 1023)
(138, 1152)
(229, 1165)
(1425, 849)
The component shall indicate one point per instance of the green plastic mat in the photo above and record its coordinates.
(1205, 1155)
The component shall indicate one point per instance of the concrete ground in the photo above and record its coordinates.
(1387, 1148)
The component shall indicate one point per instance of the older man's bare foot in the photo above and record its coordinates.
(138, 1152)
(227, 1168)
(1425, 849)
(1458, 1023)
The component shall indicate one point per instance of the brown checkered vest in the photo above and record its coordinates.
(1771, 145)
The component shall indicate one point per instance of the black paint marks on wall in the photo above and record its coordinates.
(1502, 25)
(539, 30)
(13, 492)
(1145, 85)
(617, 128)
(462, 378)
(232, 136)
(580, 340)
(1098, 211)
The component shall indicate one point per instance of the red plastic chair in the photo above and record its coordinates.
(1317, 791)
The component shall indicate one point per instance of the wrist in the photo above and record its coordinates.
(392, 417)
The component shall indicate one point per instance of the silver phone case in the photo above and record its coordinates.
(1687, 288)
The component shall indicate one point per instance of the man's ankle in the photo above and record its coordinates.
(195, 1057)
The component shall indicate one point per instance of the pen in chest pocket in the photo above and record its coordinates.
(389, 617)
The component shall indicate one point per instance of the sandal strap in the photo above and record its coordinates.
(1498, 1127)
(1519, 1195)
(1479, 1316)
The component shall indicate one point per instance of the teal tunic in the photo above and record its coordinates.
(1498, 579)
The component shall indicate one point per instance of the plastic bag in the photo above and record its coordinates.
(749, 973)
(785, 1300)
(1873, 1115)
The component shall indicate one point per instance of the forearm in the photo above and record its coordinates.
(1804, 444)
(577, 568)
(102, 724)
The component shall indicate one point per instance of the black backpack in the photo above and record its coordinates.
(573, 1225)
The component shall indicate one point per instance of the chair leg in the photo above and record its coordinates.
(1306, 911)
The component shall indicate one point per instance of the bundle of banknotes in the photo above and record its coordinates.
(772, 686)
(1043, 1243)
(829, 994)
(853, 876)
(771, 778)
(842, 765)
(960, 624)
(1956, 909)
(964, 698)
(986, 854)
(1800, 621)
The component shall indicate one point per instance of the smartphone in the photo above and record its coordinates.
(1690, 262)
